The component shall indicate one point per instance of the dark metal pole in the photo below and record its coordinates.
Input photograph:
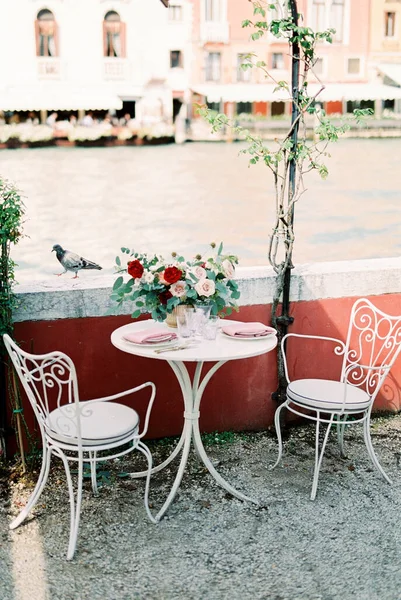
(284, 320)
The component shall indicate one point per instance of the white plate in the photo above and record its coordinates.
(153, 344)
(251, 338)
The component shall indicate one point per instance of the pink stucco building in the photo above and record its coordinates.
(220, 44)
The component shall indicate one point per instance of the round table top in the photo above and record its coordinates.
(223, 347)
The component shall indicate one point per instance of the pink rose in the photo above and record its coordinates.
(228, 268)
(205, 287)
(199, 272)
(178, 289)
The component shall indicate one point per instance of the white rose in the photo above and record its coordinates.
(148, 277)
(228, 268)
(178, 289)
(205, 287)
(211, 267)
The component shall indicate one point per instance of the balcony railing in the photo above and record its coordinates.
(211, 31)
(115, 68)
(49, 67)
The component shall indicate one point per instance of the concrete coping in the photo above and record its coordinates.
(67, 298)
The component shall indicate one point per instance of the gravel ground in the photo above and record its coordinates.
(210, 546)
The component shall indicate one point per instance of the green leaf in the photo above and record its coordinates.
(118, 261)
(118, 283)
(128, 286)
(136, 314)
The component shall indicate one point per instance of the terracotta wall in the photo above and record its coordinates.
(238, 396)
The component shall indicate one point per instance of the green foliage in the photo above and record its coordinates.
(11, 216)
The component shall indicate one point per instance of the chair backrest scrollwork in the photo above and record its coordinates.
(50, 382)
(372, 346)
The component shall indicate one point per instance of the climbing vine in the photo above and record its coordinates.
(296, 153)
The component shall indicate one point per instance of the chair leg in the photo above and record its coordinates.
(371, 452)
(318, 459)
(92, 462)
(145, 450)
(75, 507)
(341, 424)
(43, 475)
(278, 431)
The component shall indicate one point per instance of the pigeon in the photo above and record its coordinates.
(72, 262)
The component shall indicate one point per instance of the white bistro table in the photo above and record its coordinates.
(218, 351)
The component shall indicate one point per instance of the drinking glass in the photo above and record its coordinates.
(202, 313)
(211, 327)
(186, 324)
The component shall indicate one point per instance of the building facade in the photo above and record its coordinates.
(68, 55)
(385, 44)
(136, 57)
(344, 67)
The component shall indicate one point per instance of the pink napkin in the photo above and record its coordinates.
(247, 330)
(150, 336)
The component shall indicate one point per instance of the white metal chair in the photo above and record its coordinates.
(371, 348)
(76, 430)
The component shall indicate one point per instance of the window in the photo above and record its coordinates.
(389, 24)
(176, 61)
(330, 14)
(244, 108)
(212, 10)
(213, 66)
(318, 68)
(46, 34)
(354, 66)
(337, 19)
(243, 75)
(277, 60)
(113, 35)
(319, 15)
(280, 11)
(175, 12)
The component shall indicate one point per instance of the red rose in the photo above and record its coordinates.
(172, 275)
(135, 269)
(164, 296)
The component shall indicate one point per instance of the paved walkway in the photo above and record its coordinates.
(345, 545)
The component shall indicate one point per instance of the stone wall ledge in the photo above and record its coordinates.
(89, 296)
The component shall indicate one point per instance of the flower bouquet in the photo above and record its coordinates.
(157, 286)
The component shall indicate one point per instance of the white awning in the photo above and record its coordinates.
(241, 92)
(391, 71)
(264, 92)
(358, 91)
(57, 97)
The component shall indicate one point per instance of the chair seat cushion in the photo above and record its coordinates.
(101, 423)
(327, 395)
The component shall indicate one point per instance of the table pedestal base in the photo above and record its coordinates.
(192, 395)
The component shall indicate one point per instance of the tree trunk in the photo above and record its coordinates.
(284, 279)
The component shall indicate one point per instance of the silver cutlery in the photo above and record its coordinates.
(173, 348)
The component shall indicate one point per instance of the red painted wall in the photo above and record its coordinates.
(238, 396)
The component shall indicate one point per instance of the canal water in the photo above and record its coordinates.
(179, 198)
